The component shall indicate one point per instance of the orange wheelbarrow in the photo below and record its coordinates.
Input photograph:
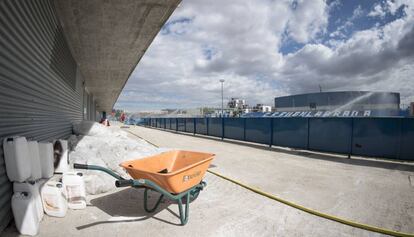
(176, 175)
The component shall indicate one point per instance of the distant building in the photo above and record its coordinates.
(338, 104)
(236, 103)
(261, 108)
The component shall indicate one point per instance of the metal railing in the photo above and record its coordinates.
(388, 137)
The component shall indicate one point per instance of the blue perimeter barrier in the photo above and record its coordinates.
(387, 137)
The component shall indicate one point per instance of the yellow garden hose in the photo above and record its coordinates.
(308, 210)
(313, 212)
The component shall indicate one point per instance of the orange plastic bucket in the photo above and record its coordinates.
(175, 171)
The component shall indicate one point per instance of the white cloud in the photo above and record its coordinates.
(358, 12)
(240, 41)
(307, 20)
(378, 11)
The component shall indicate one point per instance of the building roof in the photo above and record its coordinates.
(108, 39)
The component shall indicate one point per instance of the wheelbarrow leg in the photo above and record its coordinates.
(146, 202)
(184, 216)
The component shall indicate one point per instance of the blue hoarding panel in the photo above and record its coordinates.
(376, 137)
(290, 132)
(163, 123)
(330, 134)
(158, 124)
(407, 139)
(258, 130)
(215, 127)
(234, 128)
(181, 124)
(201, 125)
(173, 124)
(168, 123)
(189, 125)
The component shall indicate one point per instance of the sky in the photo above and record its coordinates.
(269, 48)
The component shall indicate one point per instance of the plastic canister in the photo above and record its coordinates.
(36, 169)
(75, 190)
(63, 165)
(54, 199)
(33, 189)
(16, 156)
(25, 213)
(46, 159)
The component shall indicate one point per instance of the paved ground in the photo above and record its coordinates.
(370, 191)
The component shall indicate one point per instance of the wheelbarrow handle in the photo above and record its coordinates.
(97, 167)
(80, 166)
(124, 183)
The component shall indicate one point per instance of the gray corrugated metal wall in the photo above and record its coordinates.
(40, 94)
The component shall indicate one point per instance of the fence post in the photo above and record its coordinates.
(352, 139)
(176, 124)
(271, 132)
(222, 128)
(307, 144)
(194, 123)
(244, 129)
(207, 126)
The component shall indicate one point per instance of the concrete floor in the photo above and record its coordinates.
(371, 191)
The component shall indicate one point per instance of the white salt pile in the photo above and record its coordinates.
(96, 144)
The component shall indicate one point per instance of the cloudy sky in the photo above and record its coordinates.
(264, 48)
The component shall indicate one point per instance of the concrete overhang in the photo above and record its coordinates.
(108, 38)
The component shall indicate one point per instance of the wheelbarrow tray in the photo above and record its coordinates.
(176, 171)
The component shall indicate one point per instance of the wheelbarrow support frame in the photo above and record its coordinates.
(188, 195)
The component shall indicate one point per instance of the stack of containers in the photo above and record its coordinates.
(28, 164)
(19, 169)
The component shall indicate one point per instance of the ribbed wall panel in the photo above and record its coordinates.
(40, 89)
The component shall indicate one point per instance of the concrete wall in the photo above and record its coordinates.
(41, 88)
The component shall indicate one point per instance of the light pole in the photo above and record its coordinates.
(222, 98)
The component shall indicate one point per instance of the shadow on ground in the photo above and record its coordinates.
(124, 205)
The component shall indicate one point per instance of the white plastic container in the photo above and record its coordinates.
(16, 156)
(75, 190)
(25, 213)
(63, 165)
(46, 159)
(54, 199)
(36, 169)
(34, 189)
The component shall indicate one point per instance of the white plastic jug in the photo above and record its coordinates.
(63, 165)
(46, 159)
(54, 199)
(34, 189)
(25, 213)
(36, 169)
(16, 156)
(75, 190)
